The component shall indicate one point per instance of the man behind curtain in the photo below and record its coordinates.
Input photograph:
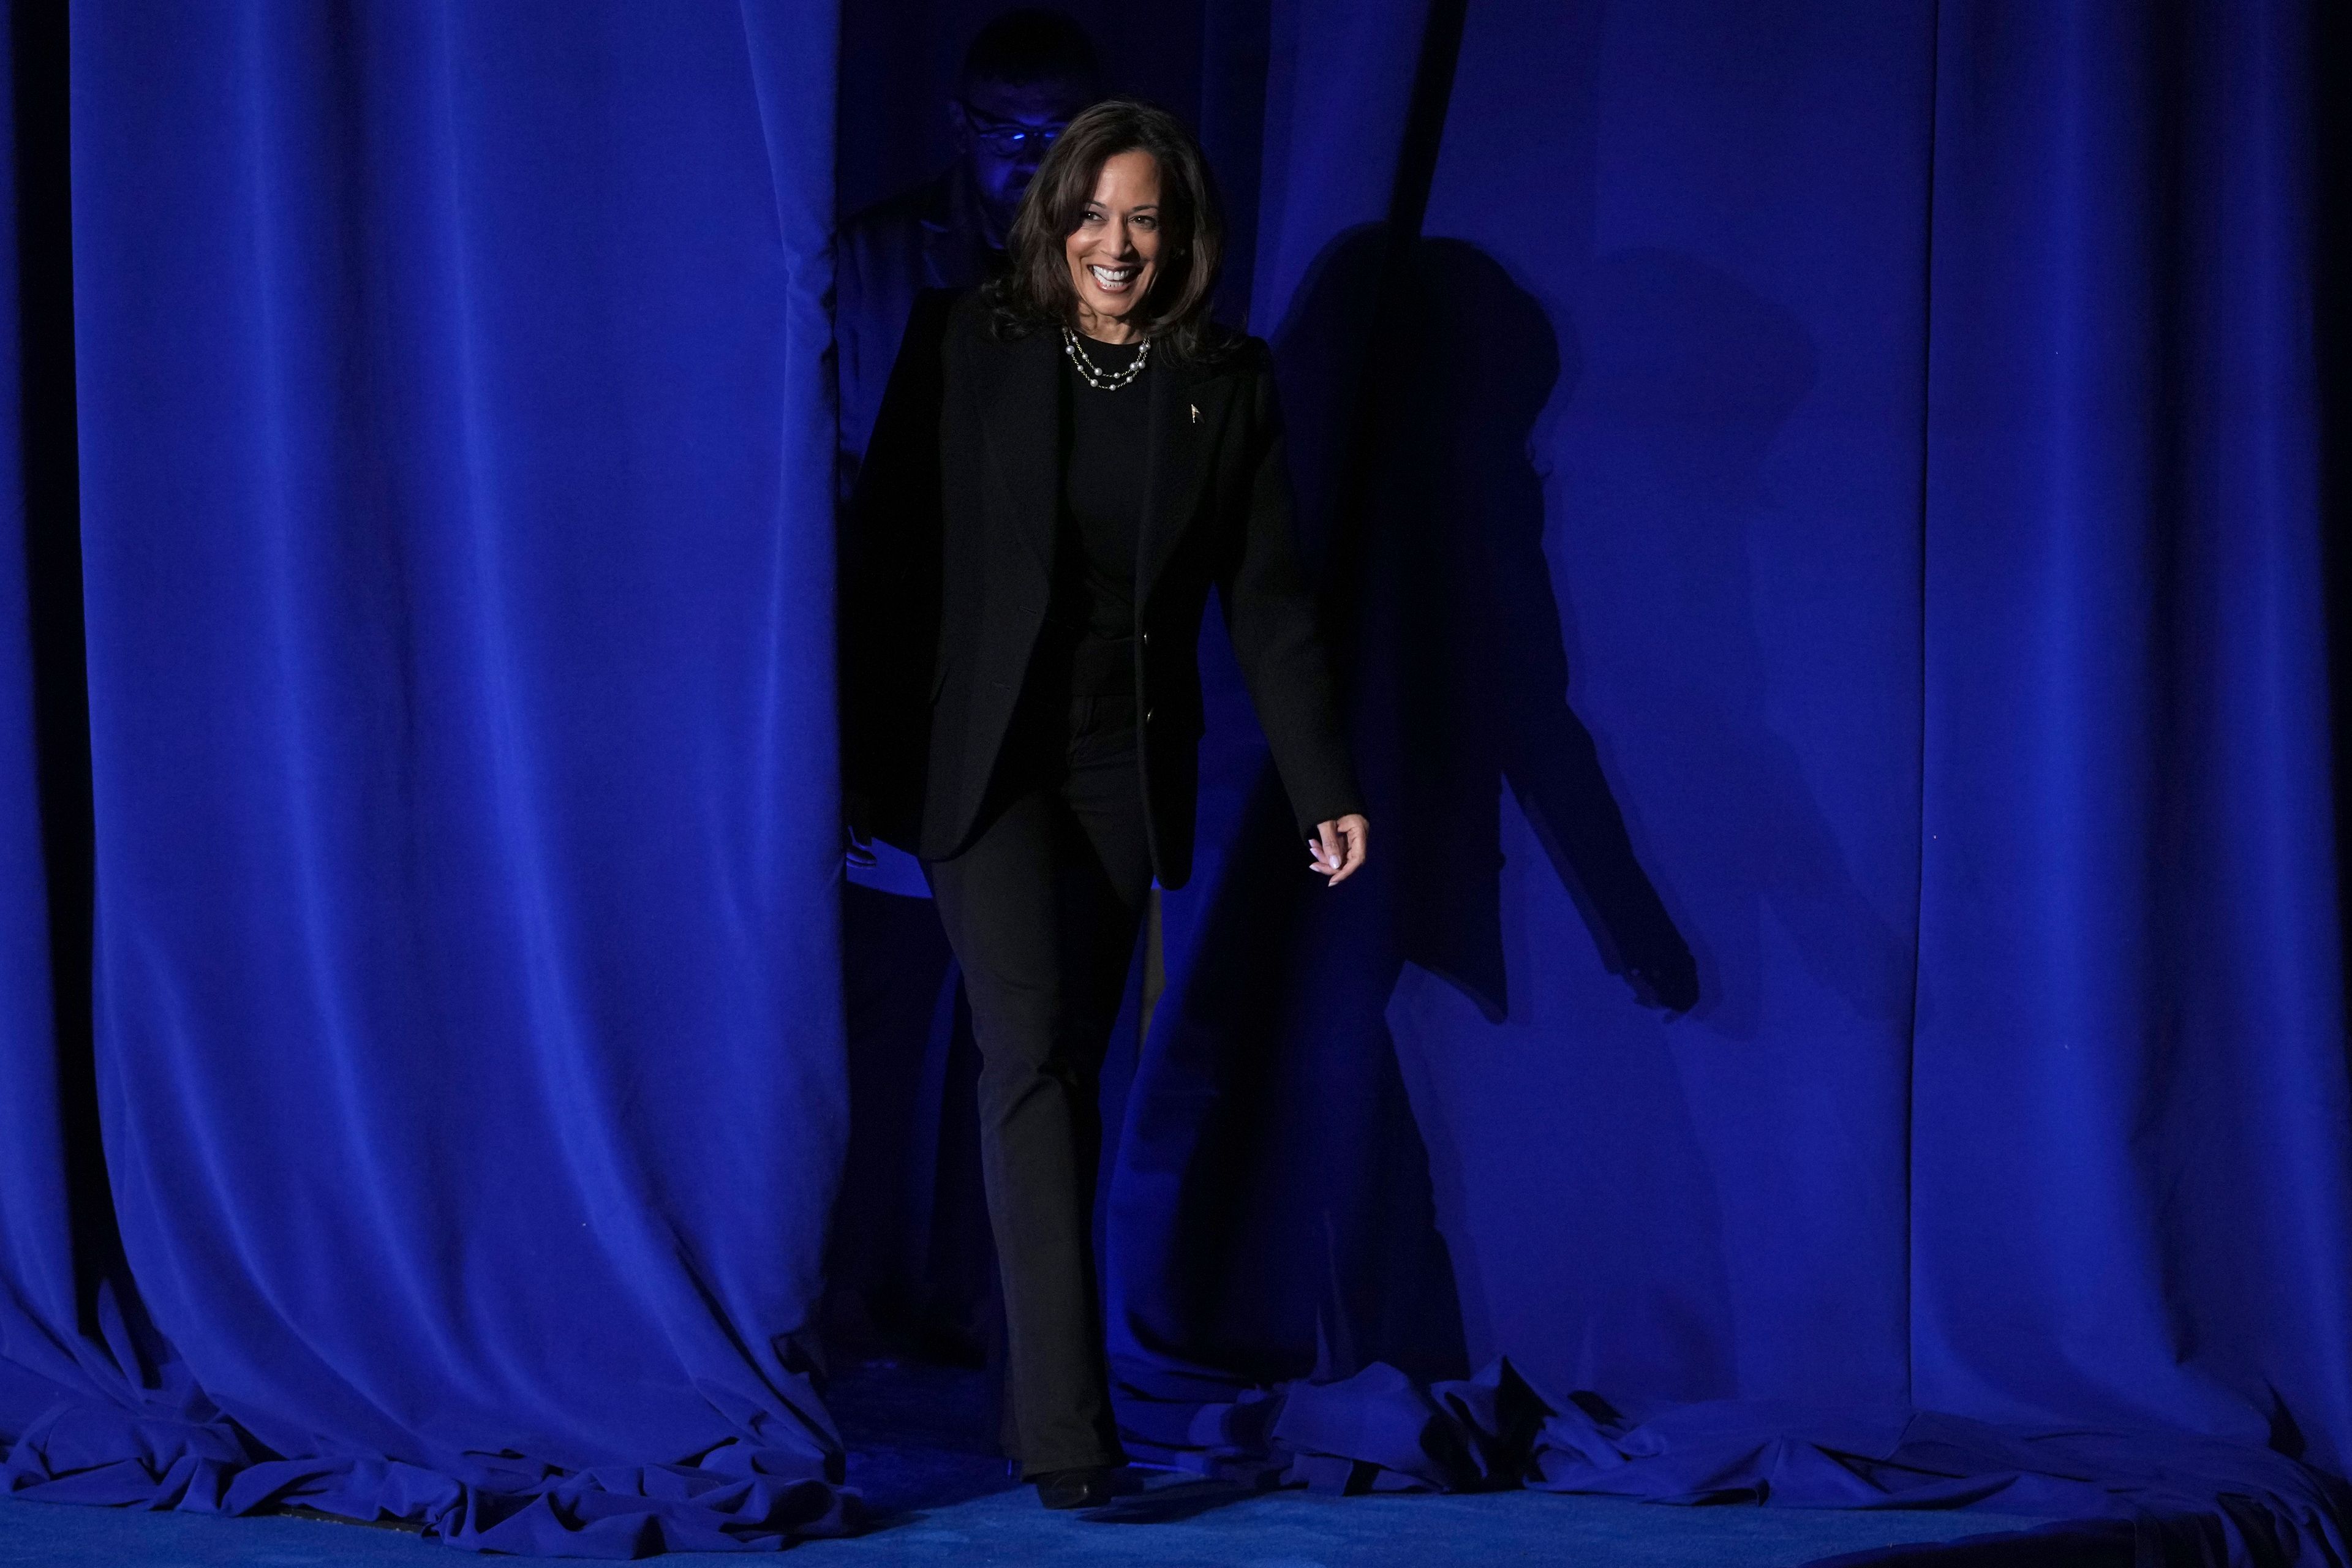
(912, 1256)
(1023, 75)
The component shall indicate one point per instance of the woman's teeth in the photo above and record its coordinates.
(1113, 279)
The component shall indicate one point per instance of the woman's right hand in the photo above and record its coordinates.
(856, 843)
(1339, 847)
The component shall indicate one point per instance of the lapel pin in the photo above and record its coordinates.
(1196, 412)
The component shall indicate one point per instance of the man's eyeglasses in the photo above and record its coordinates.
(1007, 137)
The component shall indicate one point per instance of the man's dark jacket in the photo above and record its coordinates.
(932, 237)
(948, 555)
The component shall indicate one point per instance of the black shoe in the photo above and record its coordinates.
(1088, 1486)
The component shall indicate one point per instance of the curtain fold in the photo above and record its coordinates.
(72, 1329)
(2131, 1153)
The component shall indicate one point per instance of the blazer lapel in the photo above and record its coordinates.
(1187, 408)
(1021, 409)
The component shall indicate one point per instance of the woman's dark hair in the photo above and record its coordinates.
(1037, 293)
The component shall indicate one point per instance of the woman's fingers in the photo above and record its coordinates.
(1338, 848)
(1352, 829)
(1324, 852)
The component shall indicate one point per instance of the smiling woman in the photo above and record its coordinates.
(1119, 234)
(1065, 463)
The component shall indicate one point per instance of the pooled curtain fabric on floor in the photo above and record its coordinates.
(456, 542)
(1817, 508)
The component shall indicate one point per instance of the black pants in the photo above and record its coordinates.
(1041, 908)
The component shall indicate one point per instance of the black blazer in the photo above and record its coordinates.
(947, 559)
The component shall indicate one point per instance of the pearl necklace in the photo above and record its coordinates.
(1100, 380)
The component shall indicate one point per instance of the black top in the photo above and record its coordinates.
(954, 520)
(1101, 511)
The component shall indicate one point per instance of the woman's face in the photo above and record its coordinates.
(1114, 251)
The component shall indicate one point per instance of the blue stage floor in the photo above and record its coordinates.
(1280, 1530)
(918, 1454)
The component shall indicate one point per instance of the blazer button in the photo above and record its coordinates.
(1147, 715)
(1147, 639)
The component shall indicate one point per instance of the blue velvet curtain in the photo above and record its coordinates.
(1870, 452)
(1819, 506)
(452, 426)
